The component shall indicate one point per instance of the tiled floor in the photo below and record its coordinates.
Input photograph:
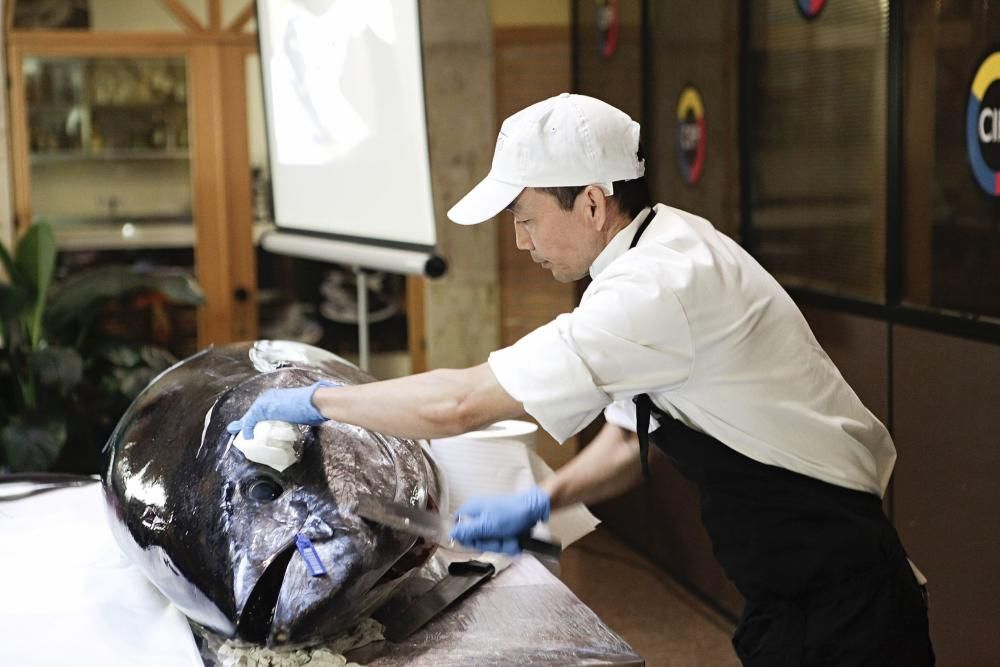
(664, 623)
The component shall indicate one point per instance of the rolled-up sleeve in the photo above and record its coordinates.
(628, 336)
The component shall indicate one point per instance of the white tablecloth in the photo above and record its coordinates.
(70, 598)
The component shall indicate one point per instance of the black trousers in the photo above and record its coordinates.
(826, 579)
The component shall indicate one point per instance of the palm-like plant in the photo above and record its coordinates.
(57, 378)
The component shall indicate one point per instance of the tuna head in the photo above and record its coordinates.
(216, 532)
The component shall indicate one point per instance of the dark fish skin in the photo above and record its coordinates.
(180, 502)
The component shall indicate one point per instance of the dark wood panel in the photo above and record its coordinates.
(859, 346)
(694, 42)
(529, 297)
(945, 495)
(615, 78)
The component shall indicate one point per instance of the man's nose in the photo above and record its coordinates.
(522, 239)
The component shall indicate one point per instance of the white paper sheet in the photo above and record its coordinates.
(71, 597)
(497, 465)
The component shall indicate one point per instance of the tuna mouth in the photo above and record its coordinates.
(254, 623)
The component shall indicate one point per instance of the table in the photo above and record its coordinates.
(523, 616)
(71, 597)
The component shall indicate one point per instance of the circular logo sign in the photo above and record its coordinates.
(810, 8)
(606, 20)
(982, 125)
(690, 135)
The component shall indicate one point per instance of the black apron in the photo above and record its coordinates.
(824, 574)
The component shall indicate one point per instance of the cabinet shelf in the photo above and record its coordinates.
(63, 107)
(130, 236)
(104, 148)
(43, 157)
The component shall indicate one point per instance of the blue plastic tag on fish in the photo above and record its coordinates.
(310, 556)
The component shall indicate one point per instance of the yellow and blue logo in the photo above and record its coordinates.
(810, 8)
(982, 125)
(691, 135)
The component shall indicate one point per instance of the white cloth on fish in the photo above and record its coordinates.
(273, 444)
(71, 597)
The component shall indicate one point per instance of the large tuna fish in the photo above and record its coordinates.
(216, 532)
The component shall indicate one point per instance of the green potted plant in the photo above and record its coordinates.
(63, 385)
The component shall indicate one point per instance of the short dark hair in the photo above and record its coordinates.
(630, 196)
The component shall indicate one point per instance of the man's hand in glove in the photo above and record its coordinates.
(293, 405)
(493, 523)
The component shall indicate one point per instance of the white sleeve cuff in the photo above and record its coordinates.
(622, 415)
(541, 372)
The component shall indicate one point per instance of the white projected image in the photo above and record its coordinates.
(346, 129)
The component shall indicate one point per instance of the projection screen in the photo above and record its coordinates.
(346, 131)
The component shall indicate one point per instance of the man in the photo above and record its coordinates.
(682, 330)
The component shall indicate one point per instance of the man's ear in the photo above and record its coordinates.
(596, 206)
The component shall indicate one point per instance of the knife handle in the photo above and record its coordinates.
(540, 547)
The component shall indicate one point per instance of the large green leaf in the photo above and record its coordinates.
(16, 282)
(75, 299)
(129, 368)
(59, 368)
(31, 447)
(129, 379)
(36, 259)
(36, 255)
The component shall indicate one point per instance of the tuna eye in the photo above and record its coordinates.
(262, 489)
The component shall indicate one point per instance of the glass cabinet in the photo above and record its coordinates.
(108, 150)
(129, 134)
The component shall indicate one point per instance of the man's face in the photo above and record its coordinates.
(561, 241)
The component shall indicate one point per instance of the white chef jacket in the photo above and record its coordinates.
(690, 318)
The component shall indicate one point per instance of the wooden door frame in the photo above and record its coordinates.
(225, 262)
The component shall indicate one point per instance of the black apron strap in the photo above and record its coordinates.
(642, 228)
(643, 404)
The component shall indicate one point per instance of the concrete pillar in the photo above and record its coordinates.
(462, 322)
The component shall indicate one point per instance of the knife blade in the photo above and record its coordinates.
(399, 516)
(433, 525)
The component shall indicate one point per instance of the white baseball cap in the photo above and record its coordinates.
(567, 140)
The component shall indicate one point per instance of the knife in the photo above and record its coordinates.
(434, 526)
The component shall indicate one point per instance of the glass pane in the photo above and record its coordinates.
(104, 15)
(952, 156)
(109, 147)
(817, 144)
(257, 143)
(110, 171)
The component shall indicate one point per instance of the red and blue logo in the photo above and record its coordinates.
(810, 8)
(606, 20)
(982, 125)
(691, 135)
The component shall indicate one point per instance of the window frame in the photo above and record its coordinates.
(895, 309)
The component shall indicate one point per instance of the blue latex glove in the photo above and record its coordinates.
(292, 405)
(493, 523)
